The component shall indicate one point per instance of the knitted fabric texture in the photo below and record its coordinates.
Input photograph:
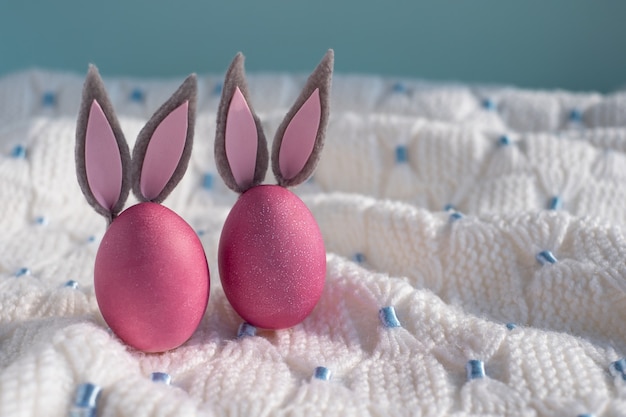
(475, 239)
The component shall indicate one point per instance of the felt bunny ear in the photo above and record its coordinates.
(163, 147)
(102, 155)
(300, 137)
(240, 147)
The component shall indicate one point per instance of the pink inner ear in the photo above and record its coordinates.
(103, 162)
(241, 140)
(299, 138)
(164, 152)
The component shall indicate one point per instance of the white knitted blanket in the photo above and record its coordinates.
(490, 218)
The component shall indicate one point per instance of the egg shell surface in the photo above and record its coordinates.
(271, 257)
(151, 278)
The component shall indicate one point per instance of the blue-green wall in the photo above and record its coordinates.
(573, 44)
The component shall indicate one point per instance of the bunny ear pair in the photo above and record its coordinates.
(160, 157)
(241, 151)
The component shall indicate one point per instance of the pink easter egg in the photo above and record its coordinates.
(151, 278)
(271, 257)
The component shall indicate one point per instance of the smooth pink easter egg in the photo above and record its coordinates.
(271, 258)
(151, 278)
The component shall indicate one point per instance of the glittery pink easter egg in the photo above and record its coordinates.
(271, 258)
(151, 278)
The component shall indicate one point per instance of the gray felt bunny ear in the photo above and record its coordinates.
(102, 155)
(300, 137)
(163, 147)
(240, 148)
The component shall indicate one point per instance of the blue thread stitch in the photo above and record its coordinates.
(217, 89)
(575, 115)
(618, 368)
(359, 258)
(489, 104)
(91, 238)
(41, 220)
(455, 216)
(246, 329)
(399, 87)
(19, 151)
(388, 317)
(322, 373)
(207, 181)
(200, 232)
(22, 272)
(402, 155)
(449, 207)
(137, 95)
(475, 369)
(586, 415)
(511, 326)
(545, 257)
(161, 377)
(504, 140)
(555, 203)
(86, 400)
(71, 284)
(48, 99)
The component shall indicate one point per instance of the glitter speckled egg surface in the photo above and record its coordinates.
(271, 254)
(151, 278)
(271, 257)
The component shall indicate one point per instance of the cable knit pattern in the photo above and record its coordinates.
(490, 218)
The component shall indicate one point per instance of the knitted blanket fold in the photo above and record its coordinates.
(476, 258)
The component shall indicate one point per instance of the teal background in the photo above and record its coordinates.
(571, 44)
